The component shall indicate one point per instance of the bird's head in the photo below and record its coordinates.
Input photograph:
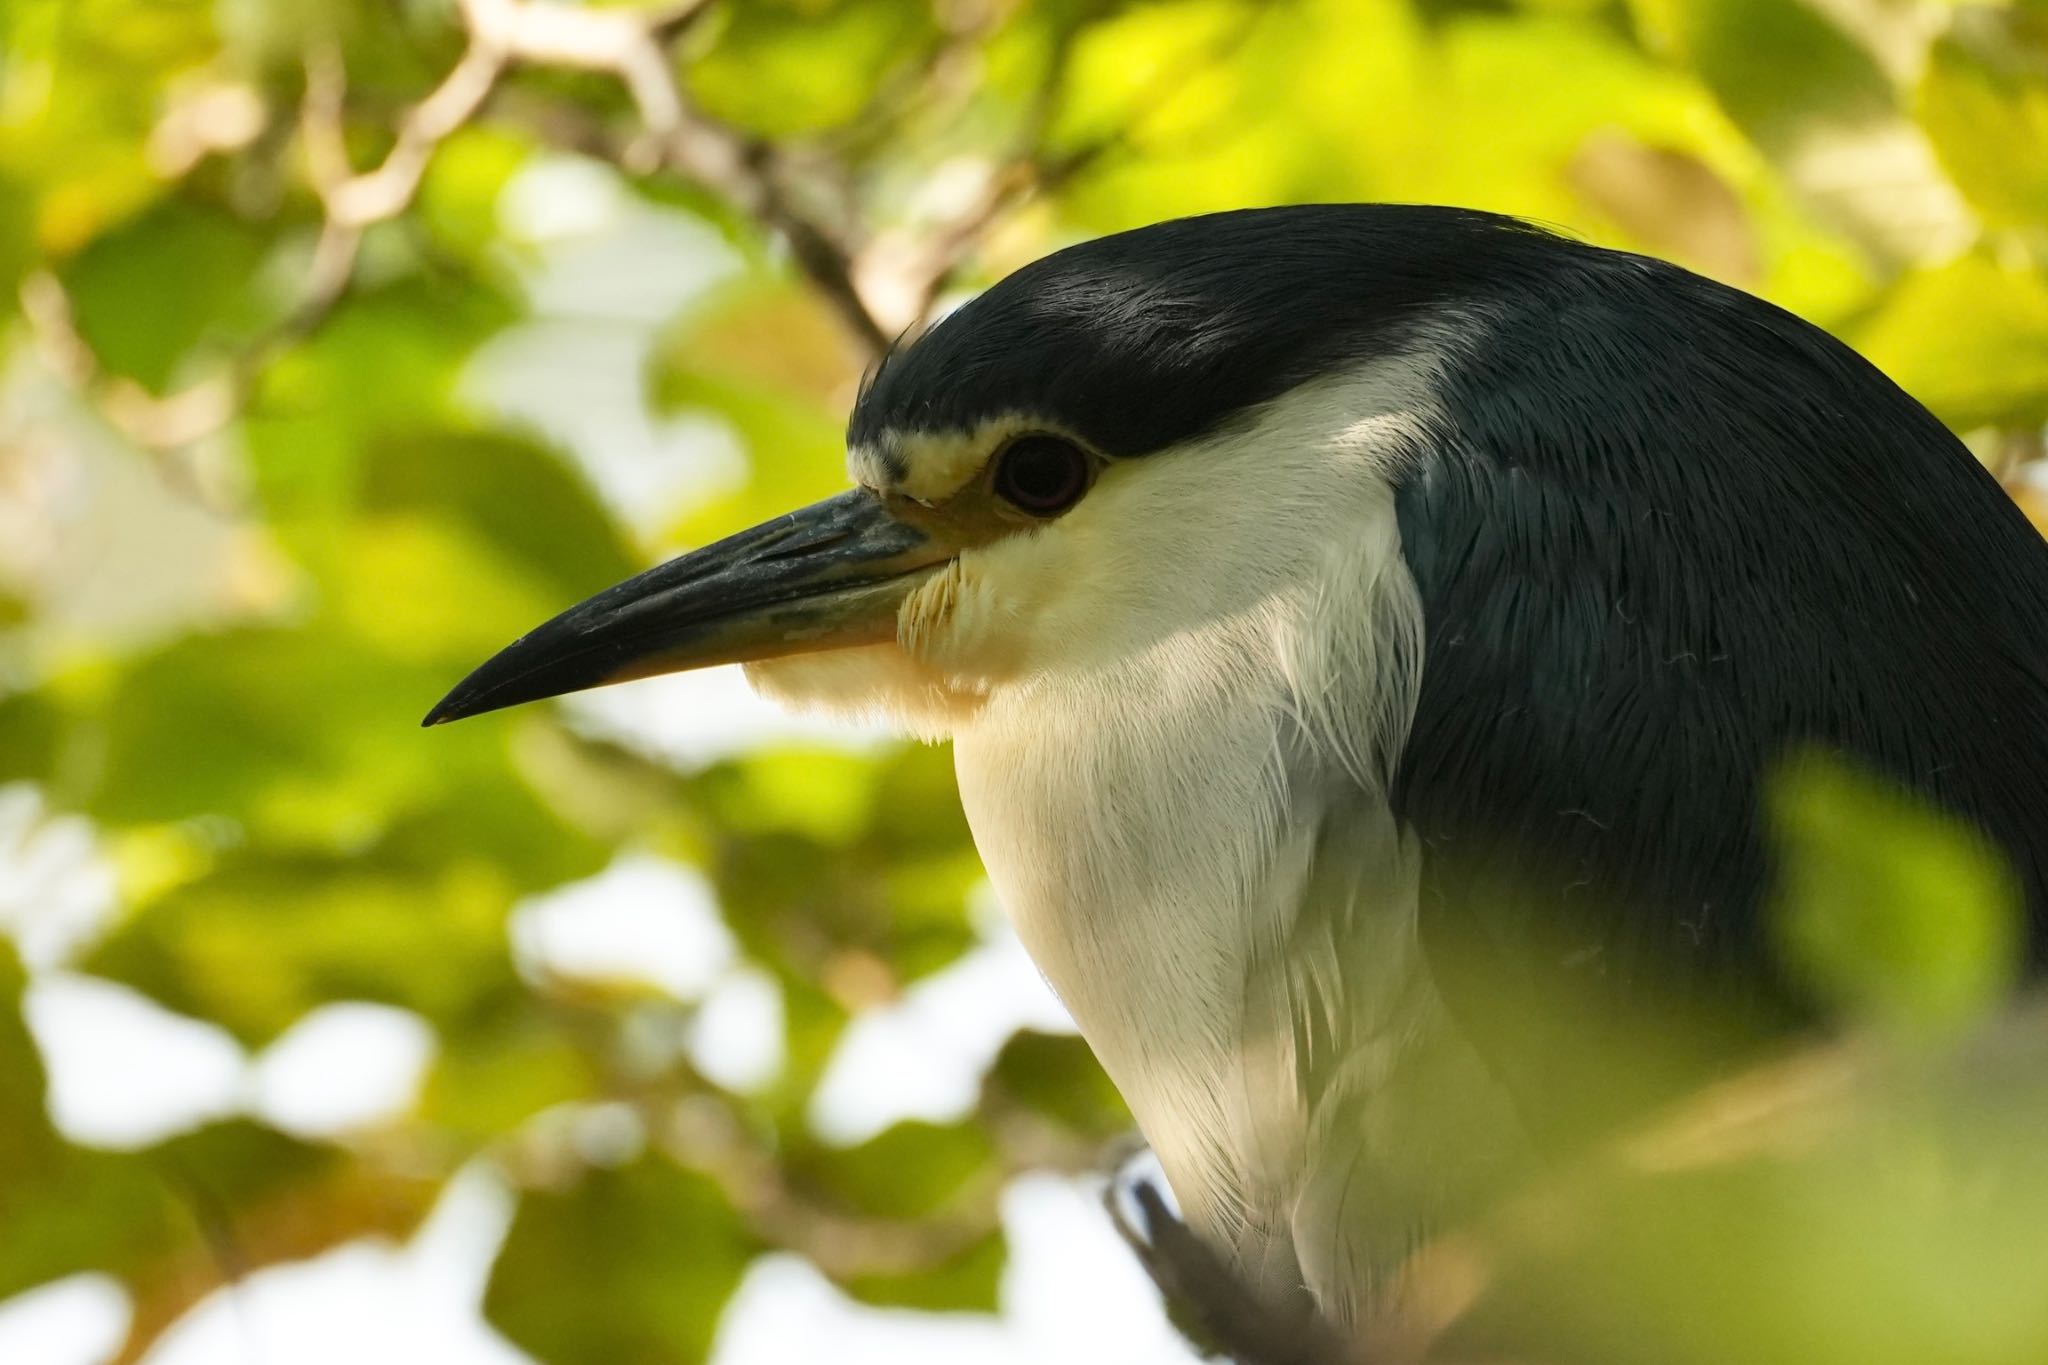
(1110, 445)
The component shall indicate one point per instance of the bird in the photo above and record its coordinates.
(1366, 634)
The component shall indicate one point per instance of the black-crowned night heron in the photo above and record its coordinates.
(1360, 629)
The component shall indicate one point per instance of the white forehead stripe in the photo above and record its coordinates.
(930, 466)
(869, 467)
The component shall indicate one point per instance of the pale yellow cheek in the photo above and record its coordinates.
(961, 628)
(874, 682)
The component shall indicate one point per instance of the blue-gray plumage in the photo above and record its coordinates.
(1350, 617)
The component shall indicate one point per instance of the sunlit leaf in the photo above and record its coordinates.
(883, 867)
(1984, 103)
(966, 1281)
(30, 731)
(147, 293)
(501, 1070)
(769, 361)
(1776, 65)
(383, 368)
(1885, 909)
(1969, 339)
(1056, 1075)
(459, 192)
(264, 939)
(794, 66)
(178, 1219)
(1842, 1209)
(629, 1267)
(911, 1169)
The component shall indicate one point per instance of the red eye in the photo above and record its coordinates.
(1042, 475)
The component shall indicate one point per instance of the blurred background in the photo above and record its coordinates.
(343, 340)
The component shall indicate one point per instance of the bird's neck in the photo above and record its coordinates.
(1224, 903)
(1143, 852)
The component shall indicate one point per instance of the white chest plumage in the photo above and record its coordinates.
(1186, 815)
(1192, 979)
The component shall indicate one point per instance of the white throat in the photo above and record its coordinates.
(1154, 802)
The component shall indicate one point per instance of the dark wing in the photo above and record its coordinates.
(1674, 534)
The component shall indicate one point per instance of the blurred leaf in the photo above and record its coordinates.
(883, 865)
(769, 361)
(780, 67)
(1059, 1077)
(458, 197)
(162, 1218)
(498, 1072)
(423, 591)
(147, 293)
(219, 724)
(17, 239)
(83, 90)
(1811, 84)
(967, 1282)
(1776, 65)
(244, 1197)
(1670, 202)
(1834, 1208)
(383, 368)
(29, 734)
(1150, 72)
(1969, 339)
(265, 938)
(824, 796)
(910, 1170)
(769, 330)
(1887, 910)
(1984, 103)
(630, 1267)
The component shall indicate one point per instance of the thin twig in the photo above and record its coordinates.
(877, 289)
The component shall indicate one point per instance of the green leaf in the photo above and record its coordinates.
(17, 239)
(1059, 1077)
(458, 196)
(1984, 104)
(782, 67)
(1857, 1206)
(285, 730)
(494, 1073)
(30, 727)
(382, 368)
(881, 862)
(629, 1267)
(84, 86)
(911, 1170)
(147, 293)
(1969, 339)
(763, 355)
(1777, 66)
(1887, 910)
(158, 1218)
(968, 1281)
(266, 937)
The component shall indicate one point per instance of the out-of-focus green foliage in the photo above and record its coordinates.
(1886, 911)
(1853, 1205)
(254, 519)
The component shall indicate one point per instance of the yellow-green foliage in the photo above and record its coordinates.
(253, 522)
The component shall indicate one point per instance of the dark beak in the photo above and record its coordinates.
(825, 577)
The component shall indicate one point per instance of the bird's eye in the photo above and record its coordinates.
(1042, 475)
